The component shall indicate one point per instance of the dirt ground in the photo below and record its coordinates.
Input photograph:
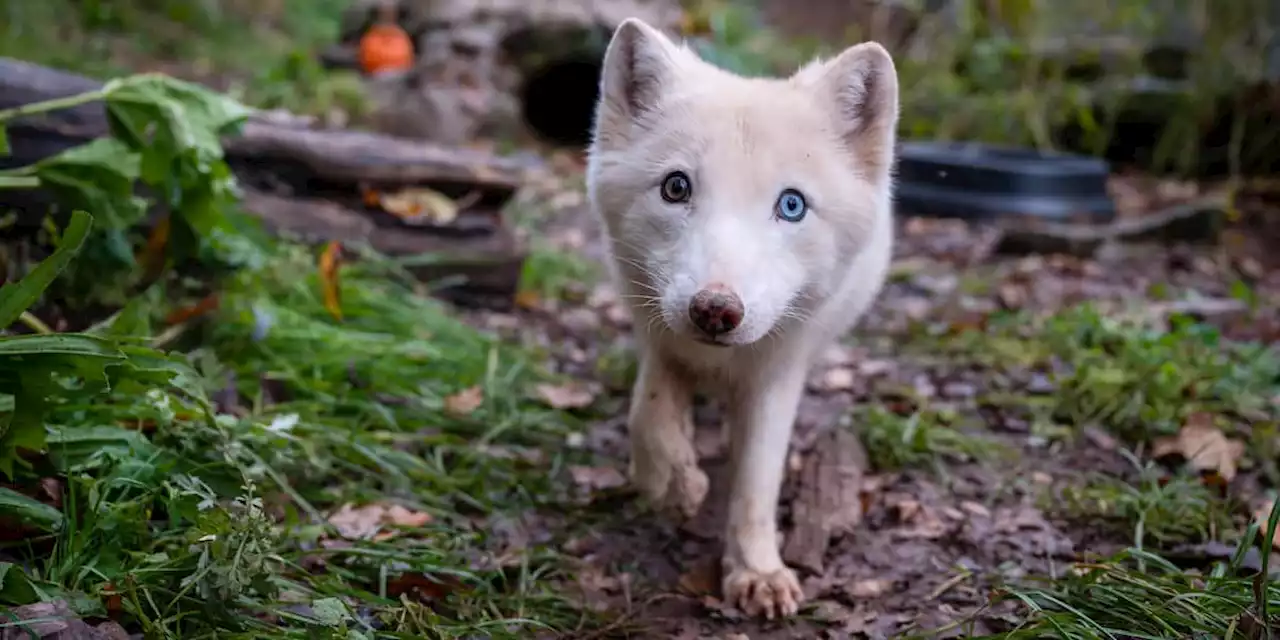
(932, 543)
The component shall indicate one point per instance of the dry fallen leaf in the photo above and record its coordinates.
(183, 314)
(1204, 446)
(596, 478)
(871, 368)
(571, 395)
(420, 205)
(152, 254)
(528, 299)
(700, 579)
(872, 588)
(330, 261)
(464, 402)
(837, 379)
(355, 523)
(423, 587)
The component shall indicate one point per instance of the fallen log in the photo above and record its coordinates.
(480, 272)
(1198, 221)
(829, 501)
(318, 181)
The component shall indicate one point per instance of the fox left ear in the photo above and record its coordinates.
(638, 65)
(863, 83)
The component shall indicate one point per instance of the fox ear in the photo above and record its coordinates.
(638, 65)
(863, 83)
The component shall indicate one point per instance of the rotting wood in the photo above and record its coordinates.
(829, 500)
(1198, 221)
(314, 182)
(481, 272)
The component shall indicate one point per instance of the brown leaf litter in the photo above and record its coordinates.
(1204, 446)
(371, 521)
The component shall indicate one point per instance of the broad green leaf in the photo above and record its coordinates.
(98, 177)
(29, 511)
(175, 128)
(330, 612)
(82, 447)
(15, 588)
(4, 142)
(159, 368)
(16, 297)
(191, 116)
(58, 344)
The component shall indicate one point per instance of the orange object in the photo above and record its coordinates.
(385, 46)
(330, 261)
(151, 257)
(205, 305)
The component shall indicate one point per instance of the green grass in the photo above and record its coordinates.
(1139, 594)
(1153, 509)
(552, 274)
(1134, 384)
(1133, 380)
(925, 437)
(214, 525)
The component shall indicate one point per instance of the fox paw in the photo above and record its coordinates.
(676, 489)
(773, 594)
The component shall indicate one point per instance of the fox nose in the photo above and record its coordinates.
(716, 310)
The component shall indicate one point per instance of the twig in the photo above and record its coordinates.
(55, 104)
(35, 324)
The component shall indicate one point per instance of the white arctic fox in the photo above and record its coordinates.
(749, 224)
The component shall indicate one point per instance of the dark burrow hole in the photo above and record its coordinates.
(558, 100)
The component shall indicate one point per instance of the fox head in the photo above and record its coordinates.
(736, 205)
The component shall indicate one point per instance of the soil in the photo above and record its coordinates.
(931, 544)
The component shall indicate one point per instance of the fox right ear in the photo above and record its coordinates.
(638, 64)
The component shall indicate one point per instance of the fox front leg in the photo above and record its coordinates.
(761, 417)
(664, 465)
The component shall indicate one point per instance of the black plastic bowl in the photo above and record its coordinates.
(981, 182)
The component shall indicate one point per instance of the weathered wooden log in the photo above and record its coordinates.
(829, 501)
(316, 180)
(1199, 221)
(480, 271)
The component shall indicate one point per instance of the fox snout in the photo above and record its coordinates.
(716, 310)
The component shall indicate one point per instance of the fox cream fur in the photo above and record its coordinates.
(749, 223)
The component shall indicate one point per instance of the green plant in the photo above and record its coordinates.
(185, 523)
(924, 437)
(38, 371)
(164, 136)
(1139, 594)
(1154, 509)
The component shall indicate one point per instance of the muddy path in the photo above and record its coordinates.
(937, 532)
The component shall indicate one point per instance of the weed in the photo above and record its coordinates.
(551, 274)
(1138, 594)
(1155, 507)
(1133, 380)
(894, 441)
(1138, 382)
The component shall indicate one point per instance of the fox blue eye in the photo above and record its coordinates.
(791, 206)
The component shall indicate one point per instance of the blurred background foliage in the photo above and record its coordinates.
(1174, 85)
(1182, 86)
